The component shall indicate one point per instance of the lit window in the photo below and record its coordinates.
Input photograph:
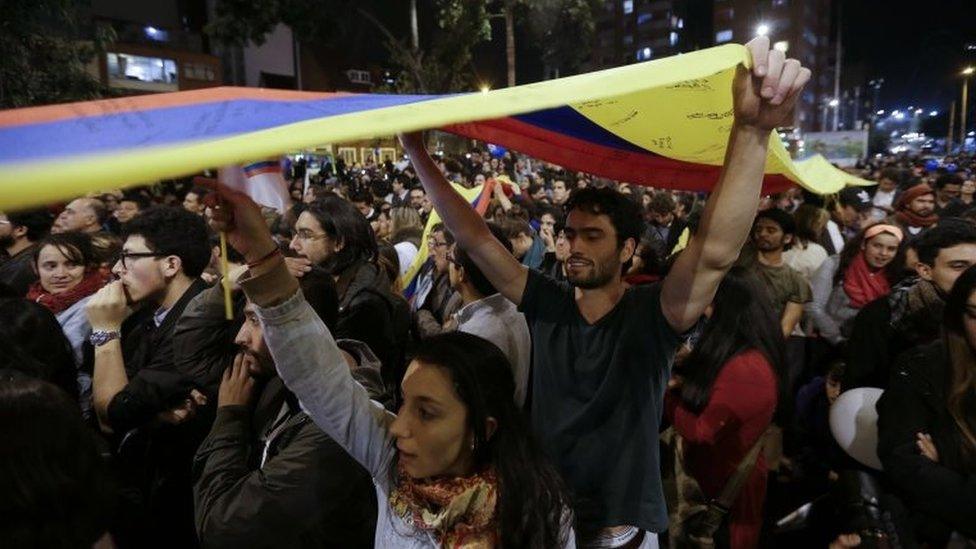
(628, 6)
(778, 3)
(674, 38)
(124, 67)
(681, 23)
(723, 36)
(644, 18)
(644, 54)
(782, 46)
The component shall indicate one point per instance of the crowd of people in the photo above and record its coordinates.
(589, 363)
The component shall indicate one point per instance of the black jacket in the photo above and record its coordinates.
(371, 313)
(18, 271)
(941, 497)
(274, 479)
(878, 338)
(153, 459)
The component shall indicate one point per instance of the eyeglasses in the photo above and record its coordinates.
(305, 234)
(125, 256)
(431, 243)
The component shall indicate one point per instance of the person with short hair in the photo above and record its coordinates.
(487, 314)
(622, 339)
(848, 213)
(527, 245)
(914, 211)
(910, 315)
(772, 234)
(130, 205)
(193, 200)
(136, 384)
(663, 221)
(266, 475)
(947, 188)
(927, 426)
(84, 215)
(19, 234)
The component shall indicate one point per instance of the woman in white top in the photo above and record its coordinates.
(806, 255)
(457, 466)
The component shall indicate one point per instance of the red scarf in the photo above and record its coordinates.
(909, 218)
(60, 302)
(862, 285)
(461, 512)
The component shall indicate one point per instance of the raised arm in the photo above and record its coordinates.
(763, 100)
(305, 354)
(469, 229)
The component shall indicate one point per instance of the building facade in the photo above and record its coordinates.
(631, 31)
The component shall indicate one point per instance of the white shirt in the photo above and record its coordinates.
(882, 200)
(406, 253)
(497, 319)
(833, 231)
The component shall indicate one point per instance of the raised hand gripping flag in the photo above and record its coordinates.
(663, 123)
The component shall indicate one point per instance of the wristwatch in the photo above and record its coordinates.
(101, 337)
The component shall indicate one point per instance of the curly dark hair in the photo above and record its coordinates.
(624, 214)
(175, 231)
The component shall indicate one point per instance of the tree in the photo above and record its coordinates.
(440, 64)
(564, 30)
(42, 57)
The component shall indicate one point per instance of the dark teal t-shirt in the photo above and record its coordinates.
(597, 395)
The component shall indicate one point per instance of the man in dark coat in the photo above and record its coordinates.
(266, 476)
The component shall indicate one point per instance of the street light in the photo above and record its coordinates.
(965, 95)
(762, 29)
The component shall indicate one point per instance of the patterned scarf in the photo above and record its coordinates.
(460, 512)
(60, 302)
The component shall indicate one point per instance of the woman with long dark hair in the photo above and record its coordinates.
(927, 425)
(871, 263)
(31, 342)
(56, 490)
(725, 395)
(457, 465)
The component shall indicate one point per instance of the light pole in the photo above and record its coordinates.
(966, 73)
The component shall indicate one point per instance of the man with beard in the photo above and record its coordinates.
(664, 223)
(266, 476)
(848, 214)
(914, 210)
(333, 236)
(772, 234)
(912, 313)
(19, 231)
(602, 351)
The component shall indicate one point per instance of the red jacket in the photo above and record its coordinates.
(740, 408)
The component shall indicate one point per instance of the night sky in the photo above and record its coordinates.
(919, 48)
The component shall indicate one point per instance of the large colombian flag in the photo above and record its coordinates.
(662, 123)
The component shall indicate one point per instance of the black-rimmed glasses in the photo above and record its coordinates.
(125, 256)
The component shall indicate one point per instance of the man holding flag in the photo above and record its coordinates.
(602, 351)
